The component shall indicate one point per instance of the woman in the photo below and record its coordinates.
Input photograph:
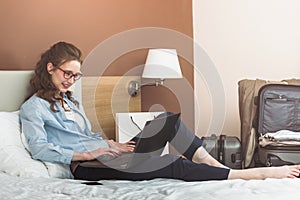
(57, 130)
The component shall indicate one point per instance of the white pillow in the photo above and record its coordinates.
(16, 159)
(55, 170)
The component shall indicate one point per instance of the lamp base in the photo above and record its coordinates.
(133, 88)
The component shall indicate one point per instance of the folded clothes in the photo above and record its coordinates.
(283, 135)
(263, 142)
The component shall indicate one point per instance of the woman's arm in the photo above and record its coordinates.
(82, 156)
(33, 121)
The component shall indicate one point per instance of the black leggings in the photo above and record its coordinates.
(167, 166)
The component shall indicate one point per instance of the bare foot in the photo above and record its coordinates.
(261, 173)
(291, 171)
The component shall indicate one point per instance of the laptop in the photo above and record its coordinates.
(150, 141)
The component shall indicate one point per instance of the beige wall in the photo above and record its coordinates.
(245, 39)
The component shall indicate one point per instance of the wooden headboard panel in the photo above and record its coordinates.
(104, 96)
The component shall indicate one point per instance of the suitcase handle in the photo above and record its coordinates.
(221, 146)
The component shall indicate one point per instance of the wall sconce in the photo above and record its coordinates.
(160, 64)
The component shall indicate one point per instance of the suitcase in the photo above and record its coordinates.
(226, 149)
(278, 109)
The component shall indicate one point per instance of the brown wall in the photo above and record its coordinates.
(29, 27)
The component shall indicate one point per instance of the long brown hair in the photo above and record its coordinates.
(41, 83)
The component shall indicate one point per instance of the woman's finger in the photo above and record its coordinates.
(131, 142)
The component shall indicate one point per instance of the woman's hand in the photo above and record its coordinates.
(115, 150)
(123, 147)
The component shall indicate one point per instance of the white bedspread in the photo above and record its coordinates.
(49, 188)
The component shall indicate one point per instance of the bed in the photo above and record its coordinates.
(24, 178)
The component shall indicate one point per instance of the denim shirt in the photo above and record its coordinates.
(51, 136)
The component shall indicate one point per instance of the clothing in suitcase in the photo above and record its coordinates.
(278, 124)
(226, 149)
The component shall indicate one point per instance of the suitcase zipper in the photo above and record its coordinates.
(279, 97)
(275, 97)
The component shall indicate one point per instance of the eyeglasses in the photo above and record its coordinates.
(69, 74)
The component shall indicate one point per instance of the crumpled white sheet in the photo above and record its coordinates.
(51, 188)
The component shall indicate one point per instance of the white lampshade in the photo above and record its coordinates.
(162, 64)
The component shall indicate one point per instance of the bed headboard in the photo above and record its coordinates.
(105, 96)
(14, 89)
(102, 97)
